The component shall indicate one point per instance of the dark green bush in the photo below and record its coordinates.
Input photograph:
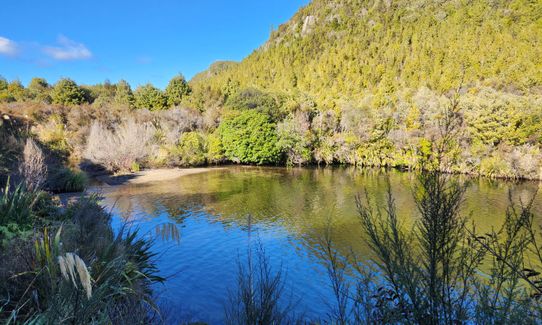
(65, 180)
(67, 92)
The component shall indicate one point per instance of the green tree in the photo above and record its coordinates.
(17, 91)
(102, 95)
(176, 90)
(124, 95)
(150, 97)
(252, 98)
(250, 137)
(67, 92)
(4, 96)
(39, 90)
(3, 83)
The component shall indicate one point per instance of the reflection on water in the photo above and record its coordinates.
(199, 223)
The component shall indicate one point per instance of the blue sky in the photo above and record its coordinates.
(139, 41)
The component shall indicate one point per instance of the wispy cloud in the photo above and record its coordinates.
(7, 47)
(67, 49)
(143, 59)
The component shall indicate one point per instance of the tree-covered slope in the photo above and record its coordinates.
(342, 48)
(366, 83)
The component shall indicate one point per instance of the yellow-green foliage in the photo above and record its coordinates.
(192, 149)
(215, 153)
(339, 49)
(365, 82)
(53, 133)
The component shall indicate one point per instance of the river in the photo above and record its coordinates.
(201, 227)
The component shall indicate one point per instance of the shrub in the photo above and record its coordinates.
(295, 139)
(53, 133)
(525, 161)
(192, 149)
(118, 149)
(39, 90)
(16, 215)
(66, 180)
(250, 137)
(258, 298)
(150, 97)
(215, 150)
(17, 91)
(173, 122)
(33, 168)
(67, 92)
(495, 167)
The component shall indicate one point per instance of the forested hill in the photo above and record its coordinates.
(346, 48)
(365, 83)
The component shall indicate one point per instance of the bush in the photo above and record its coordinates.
(16, 215)
(39, 90)
(295, 139)
(215, 150)
(54, 134)
(67, 92)
(17, 91)
(150, 97)
(33, 168)
(250, 137)
(118, 149)
(192, 149)
(66, 180)
(495, 167)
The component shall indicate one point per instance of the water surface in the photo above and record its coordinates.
(200, 226)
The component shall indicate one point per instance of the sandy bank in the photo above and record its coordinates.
(151, 175)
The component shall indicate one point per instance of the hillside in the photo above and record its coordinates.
(365, 83)
(346, 48)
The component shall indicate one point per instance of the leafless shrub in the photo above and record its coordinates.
(173, 122)
(33, 168)
(119, 149)
(525, 161)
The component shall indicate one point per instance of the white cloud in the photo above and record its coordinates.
(68, 50)
(7, 46)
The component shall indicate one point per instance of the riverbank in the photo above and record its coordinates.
(151, 175)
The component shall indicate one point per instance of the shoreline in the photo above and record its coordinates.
(150, 176)
(167, 174)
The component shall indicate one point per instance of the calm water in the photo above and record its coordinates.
(199, 223)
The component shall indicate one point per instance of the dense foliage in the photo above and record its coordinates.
(67, 92)
(366, 83)
(346, 49)
(249, 137)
